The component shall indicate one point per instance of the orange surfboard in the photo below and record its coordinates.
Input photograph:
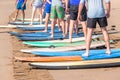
(49, 59)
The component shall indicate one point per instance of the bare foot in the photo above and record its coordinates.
(108, 52)
(31, 24)
(44, 31)
(85, 54)
(51, 36)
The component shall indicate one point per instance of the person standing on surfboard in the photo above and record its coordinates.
(20, 5)
(74, 4)
(37, 5)
(96, 14)
(57, 12)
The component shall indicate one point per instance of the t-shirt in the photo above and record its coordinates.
(74, 2)
(95, 8)
(57, 3)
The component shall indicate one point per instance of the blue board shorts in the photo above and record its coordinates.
(48, 8)
(19, 6)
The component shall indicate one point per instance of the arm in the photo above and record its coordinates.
(80, 9)
(66, 6)
(49, 1)
(16, 2)
(32, 2)
(24, 3)
(108, 6)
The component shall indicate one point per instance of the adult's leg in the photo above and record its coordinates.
(23, 13)
(52, 27)
(71, 30)
(67, 23)
(106, 38)
(33, 15)
(46, 21)
(88, 41)
(84, 25)
(40, 14)
(16, 14)
(63, 26)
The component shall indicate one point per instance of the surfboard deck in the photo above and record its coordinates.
(77, 64)
(93, 54)
(67, 40)
(25, 23)
(79, 47)
(49, 59)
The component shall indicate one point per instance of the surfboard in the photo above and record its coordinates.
(56, 37)
(77, 64)
(67, 40)
(25, 23)
(54, 44)
(63, 49)
(99, 52)
(49, 59)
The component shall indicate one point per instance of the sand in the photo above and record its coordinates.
(13, 69)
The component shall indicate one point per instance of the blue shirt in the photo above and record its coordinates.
(74, 2)
(95, 8)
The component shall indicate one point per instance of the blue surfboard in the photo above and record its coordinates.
(25, 23)
(41, 38)
(34, 27)
(93, 55)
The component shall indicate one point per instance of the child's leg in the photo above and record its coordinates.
(88, 41)
(76, 27)
(40, 14)
(23, 13)
(33, 15)
(106, 38)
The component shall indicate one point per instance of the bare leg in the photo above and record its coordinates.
(33, 15)
(67, 24)
(88, 42)
(52, 27)
(23, 13)
(106, 38)
(84, 28)
(71, 29)
(76, 26)
(40, 14)
(58, 22)
(46, 21)
(63, 26)
(16, 14)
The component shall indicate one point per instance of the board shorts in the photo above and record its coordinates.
(37, 5)
(19, 6)
(91, 22)
(57, 12)
(48, 8)
(74, 12)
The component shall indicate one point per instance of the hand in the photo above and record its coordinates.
(67, 10)
(108, 15)
(79, 17)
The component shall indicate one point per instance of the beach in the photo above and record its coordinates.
(16, 70)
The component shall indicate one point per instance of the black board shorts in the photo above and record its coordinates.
(74, 12)
(91, 22)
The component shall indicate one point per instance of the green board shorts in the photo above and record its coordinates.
(57, 12)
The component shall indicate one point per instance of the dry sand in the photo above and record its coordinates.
(21, 71)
